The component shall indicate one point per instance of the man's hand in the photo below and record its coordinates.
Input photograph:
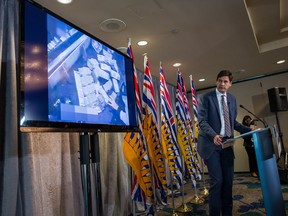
(217, 140)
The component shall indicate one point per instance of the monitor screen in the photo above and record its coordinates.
(70, 79)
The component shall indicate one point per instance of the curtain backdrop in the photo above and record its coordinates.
(40, 172)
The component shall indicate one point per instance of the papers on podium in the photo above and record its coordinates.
(230, 142)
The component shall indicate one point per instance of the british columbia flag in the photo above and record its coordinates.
(168, 131)
(190, 130)
(151, 133)
(135, 151)
(184, 133)
(195, 107)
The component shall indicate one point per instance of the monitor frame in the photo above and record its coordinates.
(46, 125)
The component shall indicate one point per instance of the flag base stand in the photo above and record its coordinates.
(174, 213)
(204, 193)
(183, 208)
(197, 200)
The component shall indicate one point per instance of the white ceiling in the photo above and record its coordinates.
(205, 36)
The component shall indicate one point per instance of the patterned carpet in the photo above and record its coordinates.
(247, 198)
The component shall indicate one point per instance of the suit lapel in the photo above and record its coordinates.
(229, 104)
(215, 100)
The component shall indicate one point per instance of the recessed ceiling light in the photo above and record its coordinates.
(240, 71)
(280, 62)
(142, 43)
(176, 64)
(112, 25)
(201, 80)
(65, 1)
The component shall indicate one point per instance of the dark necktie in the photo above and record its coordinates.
(226, 118)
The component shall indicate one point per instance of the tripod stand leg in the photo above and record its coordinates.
(95, 158)
(85, 172)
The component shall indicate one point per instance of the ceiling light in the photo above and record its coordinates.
(201, 80)
(240, 71)
(112, 25)
(280, 62)
(65, 1)
(142, 43)
(176, 64)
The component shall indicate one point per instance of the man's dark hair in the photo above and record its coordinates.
(225, 73)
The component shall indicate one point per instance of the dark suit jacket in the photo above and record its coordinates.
(210, 122)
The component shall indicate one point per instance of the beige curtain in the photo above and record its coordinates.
(50, 174)
(51, 179)
(115, 175)
(40, 172)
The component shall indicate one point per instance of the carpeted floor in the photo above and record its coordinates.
(247, 196)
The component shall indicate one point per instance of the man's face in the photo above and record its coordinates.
(223, 84)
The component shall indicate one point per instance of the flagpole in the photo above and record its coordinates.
(143, 182)
(183, 208)
(172, 194)
(196, 199)
(205, 192)
(154, 204)
(133, 202)
(182, 136)
(152, 135)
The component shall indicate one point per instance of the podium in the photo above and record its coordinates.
(268, 171)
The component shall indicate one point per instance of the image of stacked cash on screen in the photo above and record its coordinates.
(75, 78)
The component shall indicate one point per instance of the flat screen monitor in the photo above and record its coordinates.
(70, 80)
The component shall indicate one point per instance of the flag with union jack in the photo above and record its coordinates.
(195, 108)
(135, 150)
(190, 130)
(184, 135)
(151, 133)
(168, 131)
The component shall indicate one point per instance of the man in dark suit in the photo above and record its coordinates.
(217, 121)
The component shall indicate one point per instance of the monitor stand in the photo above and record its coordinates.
(90, 140)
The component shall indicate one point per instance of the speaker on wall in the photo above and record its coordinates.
(277, 99)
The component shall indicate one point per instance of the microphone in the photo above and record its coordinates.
(264, 123)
